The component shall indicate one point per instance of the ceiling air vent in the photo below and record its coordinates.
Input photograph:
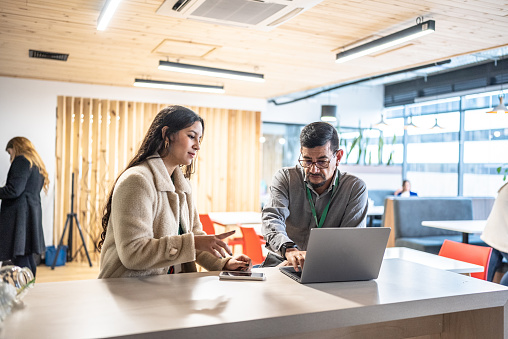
(263, 15)
(47, 55)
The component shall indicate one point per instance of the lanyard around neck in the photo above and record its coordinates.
(313, 208)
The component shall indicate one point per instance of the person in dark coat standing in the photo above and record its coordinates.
(21, 233)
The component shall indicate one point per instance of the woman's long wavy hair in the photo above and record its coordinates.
(23, 146)
(175, 118)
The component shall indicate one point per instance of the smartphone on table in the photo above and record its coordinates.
(240, 275)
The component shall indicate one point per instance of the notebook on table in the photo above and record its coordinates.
(342, 254)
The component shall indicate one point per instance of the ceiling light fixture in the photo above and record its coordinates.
(382, 124)
(420, 29)
(410, 126)
(107, 13)
(436, 126)
(210, 71)
(178, 86)
(329, 113)
(501, 108)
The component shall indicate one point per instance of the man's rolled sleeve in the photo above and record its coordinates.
(275, 213)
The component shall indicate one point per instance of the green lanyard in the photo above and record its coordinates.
(313, 208)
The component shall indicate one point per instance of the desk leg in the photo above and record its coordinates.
(465, 238)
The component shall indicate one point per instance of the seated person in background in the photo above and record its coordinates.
(312, 194)
(495, 233)
(405, 190)
(151, 225)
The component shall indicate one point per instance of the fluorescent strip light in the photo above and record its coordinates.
(106, 14)
(178, 86)
(210, 71)
(388, 41)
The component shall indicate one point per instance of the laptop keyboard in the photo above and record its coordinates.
(292, 274)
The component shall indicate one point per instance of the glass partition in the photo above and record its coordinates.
(485, 149)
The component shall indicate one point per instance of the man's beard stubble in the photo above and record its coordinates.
(319, 184)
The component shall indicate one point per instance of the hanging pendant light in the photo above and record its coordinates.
(329, 113)
(382, 124)
(501, 108)
(410, 125)
(436, 126)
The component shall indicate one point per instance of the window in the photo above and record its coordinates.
(433, 160)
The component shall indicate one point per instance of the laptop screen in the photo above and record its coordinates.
(343, 254)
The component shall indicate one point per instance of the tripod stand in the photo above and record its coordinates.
(70, 218)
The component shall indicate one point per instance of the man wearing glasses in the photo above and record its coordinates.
(312, 194)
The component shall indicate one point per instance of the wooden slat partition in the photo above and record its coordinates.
(96, 138)
(212, 160)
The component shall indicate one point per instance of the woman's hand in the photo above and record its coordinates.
(240, 263)
(213, 244)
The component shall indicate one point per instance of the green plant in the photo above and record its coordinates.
(343, 144)
(359, 143)
(380, 145)
(365, 148)
(353, 144)
(504, 171)
(390, 158)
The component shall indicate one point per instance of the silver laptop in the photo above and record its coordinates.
(342, 254)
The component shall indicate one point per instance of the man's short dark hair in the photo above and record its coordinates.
(319, 133)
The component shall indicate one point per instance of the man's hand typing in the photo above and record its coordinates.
(295, 258)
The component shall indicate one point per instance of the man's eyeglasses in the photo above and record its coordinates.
(321, 164)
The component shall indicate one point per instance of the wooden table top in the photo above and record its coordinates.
(201, 305)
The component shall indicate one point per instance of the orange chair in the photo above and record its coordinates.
(240, 241)
(209, 229)
(473, 254)
(207, 224)
(252, 245)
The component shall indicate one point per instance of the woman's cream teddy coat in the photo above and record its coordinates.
(142, 235)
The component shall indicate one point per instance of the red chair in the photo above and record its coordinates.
(209, 229)
(207, 224)
(239, 240)
(473, 254)
(252, 245)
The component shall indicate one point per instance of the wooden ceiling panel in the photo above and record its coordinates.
(182, 49)
(296, 56)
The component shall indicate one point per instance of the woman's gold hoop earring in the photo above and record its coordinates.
(166, 144)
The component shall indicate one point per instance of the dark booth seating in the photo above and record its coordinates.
(378, 196)
(408, 214)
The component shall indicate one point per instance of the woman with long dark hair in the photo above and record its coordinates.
(21, 233)
(150, 224)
